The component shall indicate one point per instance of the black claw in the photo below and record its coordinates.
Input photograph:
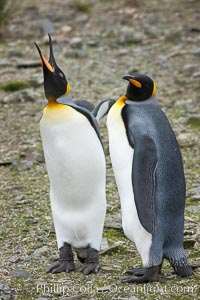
(90, 268)
(140, 279)
(146, 275)
(63, 266)
(91, 262)
(136, 271)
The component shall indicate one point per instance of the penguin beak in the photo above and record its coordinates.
(51, 64)
(131, 79)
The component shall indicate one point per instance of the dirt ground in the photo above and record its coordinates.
(96, 43)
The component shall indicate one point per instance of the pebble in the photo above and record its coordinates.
(47, 26)
(15, 53)
(66, 29)
(14, 258)
(196, 51)
(193, 208)
(5, 63)
(104, 244)
(194, 193)
(20, 273)
(19, 197)
(92, 43)
(76, 53)
(40, 251)
(22, 165)
(76, 42)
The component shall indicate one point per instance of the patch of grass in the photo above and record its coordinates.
(194, 122)
(82, 6)
(8, 8)
(14, 86)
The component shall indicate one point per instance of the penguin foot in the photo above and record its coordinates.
(91, 264)
(66, 261)
(150, 275)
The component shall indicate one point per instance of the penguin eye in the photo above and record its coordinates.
(61, 74)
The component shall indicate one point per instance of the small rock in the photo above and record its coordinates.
(110, 249)
(21, 273)
(196, 75)
(76, 53)
(131, 38)
(34, 156)
(5, 63)
(15, 53)
(19, 197)
(122, 52)
(196, 51)
(14, 259)
(92, 43)
(113, 221)
(171, 276)
(47, 26)
(42, 298)
(190, 68)
(76, 42)
(22, 165)
(104, 244)
(194, 193)
(66, 29)
(40, 251)
(193, 208)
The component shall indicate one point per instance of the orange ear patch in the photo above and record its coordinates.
(136, 83)
(154, 89)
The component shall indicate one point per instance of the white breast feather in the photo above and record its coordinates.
(76, 168)
(122, 158)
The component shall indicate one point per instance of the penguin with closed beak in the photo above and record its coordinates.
(75, 164)
(149, 174)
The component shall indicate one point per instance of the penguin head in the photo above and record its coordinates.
(140, 87)
(55, 82)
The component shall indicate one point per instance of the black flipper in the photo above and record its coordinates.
(86, 104)
(144, 167)
(143, 179)
(102, 108)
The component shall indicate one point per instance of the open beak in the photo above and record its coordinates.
(51, 64)
(131, 79)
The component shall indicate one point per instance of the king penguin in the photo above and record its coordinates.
(149, 174)
(75, 164)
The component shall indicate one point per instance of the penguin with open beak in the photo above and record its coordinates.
(149, 173)
(75, 164)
